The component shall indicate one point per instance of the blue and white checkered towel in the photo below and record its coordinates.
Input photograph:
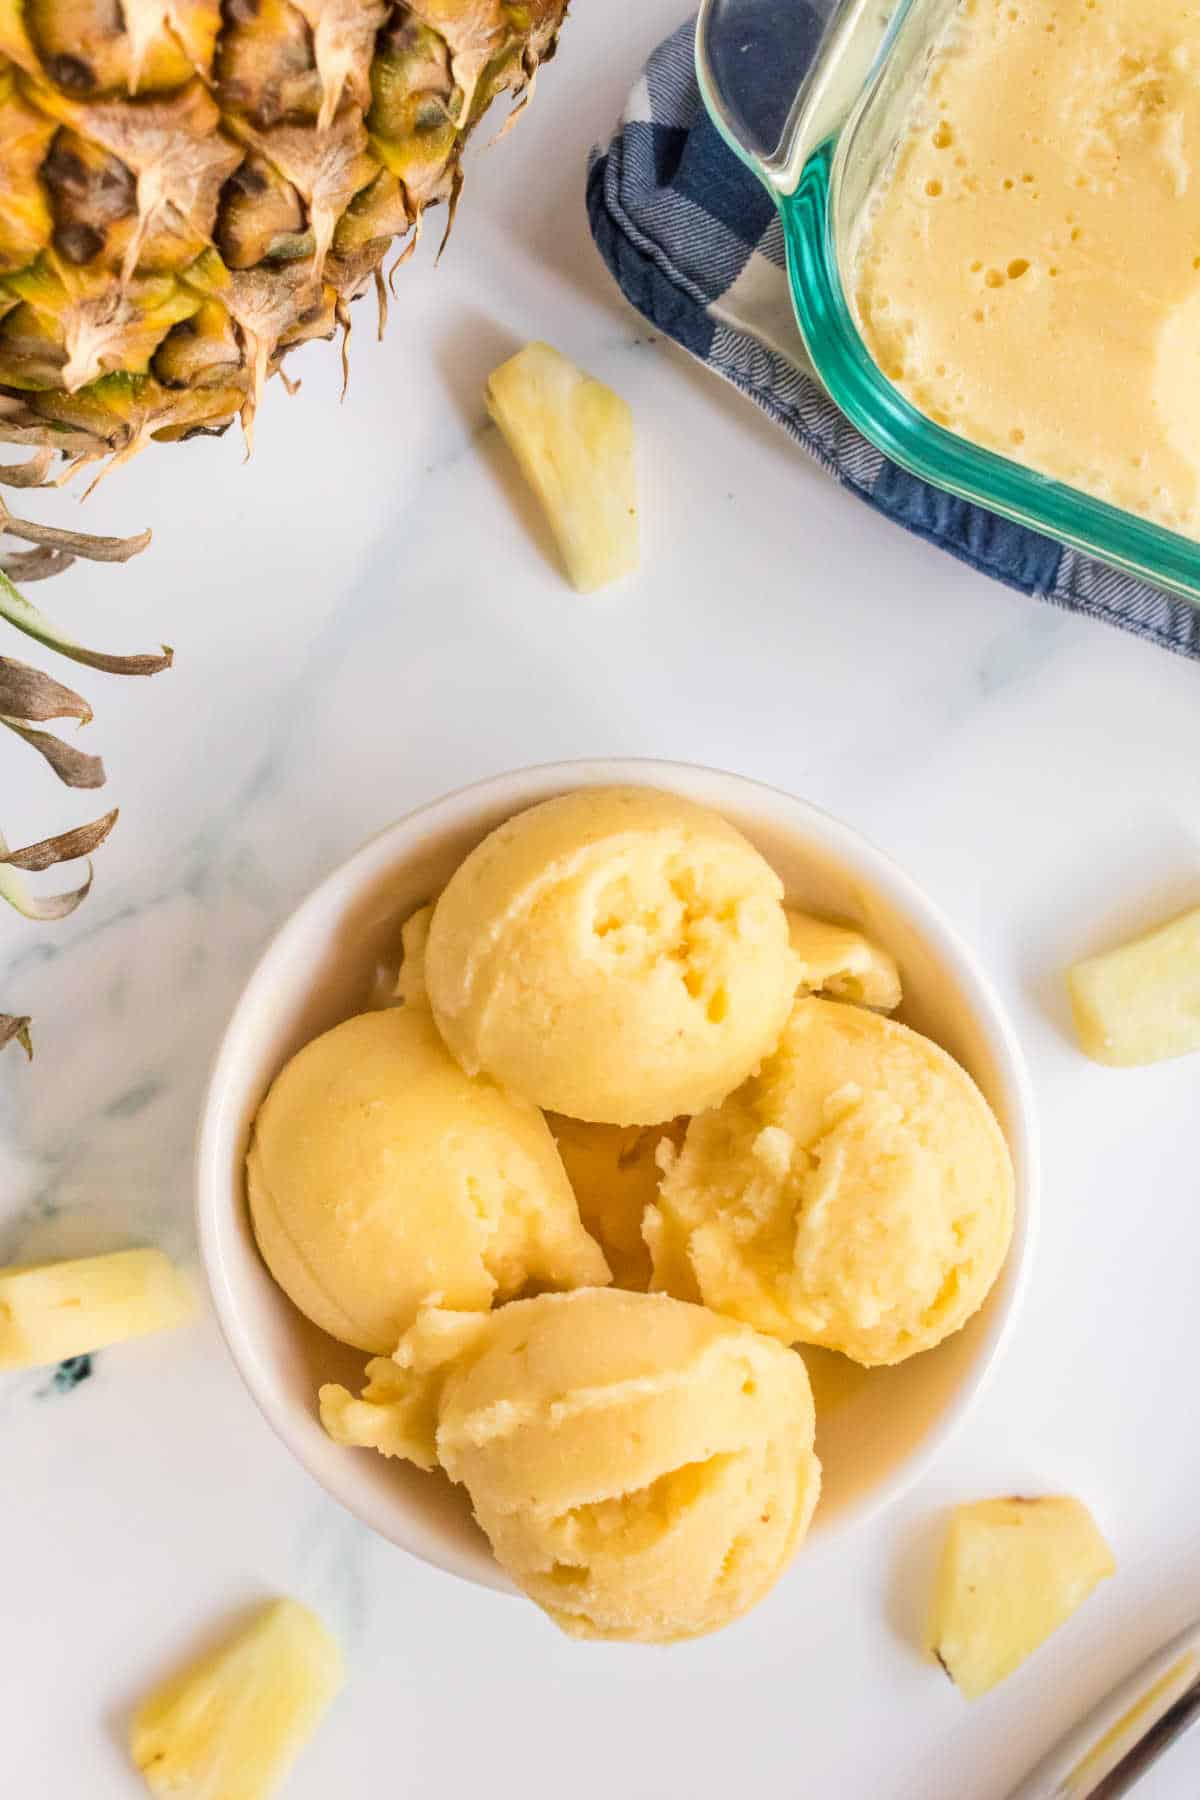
(695, 244)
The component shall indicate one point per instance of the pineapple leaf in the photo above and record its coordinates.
(53, 906)
(15, 1030)
(64, 848)
(30, 619)
(73, 446)
(35, 565)
(26, 693)
(74, 768)
(31, 474)
(80, 842)
(77, 543)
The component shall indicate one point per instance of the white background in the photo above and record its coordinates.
(368, 615)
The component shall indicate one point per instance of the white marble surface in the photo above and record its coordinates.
(367, 616)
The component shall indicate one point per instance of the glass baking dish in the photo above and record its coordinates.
(813, 95)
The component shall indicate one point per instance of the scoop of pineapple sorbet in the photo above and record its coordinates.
(616, 954)
(844, 964)
(857, 1193)
(615, 1171)
(643, 1469)
(380, 1176)
(410, 987)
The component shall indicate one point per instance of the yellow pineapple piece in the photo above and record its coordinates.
(62, 1309)
(1141, 1002)
(230, 1727)
(838, 961)
(573, 438)
(1012, 1572)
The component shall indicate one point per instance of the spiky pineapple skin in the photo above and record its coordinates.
(189, 189)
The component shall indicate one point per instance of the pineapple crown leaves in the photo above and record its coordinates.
(15, 1030)
(29, 698)
(74, 768)
(27, 693)
(66, 847)
(71, 543)
(34, 623)
(31, 474)
(14, 1027)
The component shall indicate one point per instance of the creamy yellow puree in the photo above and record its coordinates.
(1029, 271)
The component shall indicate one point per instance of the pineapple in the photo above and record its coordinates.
(187, 193)
(573, 439)
(230, 1727)
(1012, 1572)
(64, 1309)
(191, 191)
(1141, 1002)
(843, 963)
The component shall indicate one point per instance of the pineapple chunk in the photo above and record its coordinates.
(835, 960)
(65, 1309)
(1012, 1572)
(573, 438)
(1141, 1002)
(230, 1727)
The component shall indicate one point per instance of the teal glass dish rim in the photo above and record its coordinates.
(805, 180)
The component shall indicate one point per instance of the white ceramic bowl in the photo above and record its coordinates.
(877, 1430)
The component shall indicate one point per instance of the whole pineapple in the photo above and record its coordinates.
(188, 190)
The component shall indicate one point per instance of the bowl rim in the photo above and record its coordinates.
(845, 845)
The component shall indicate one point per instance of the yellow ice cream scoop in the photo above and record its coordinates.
(614, 1171)
(380, 1177)
(857, 1193)
(643, 1469)
(839, 961)
(410, 981)
(617, 954)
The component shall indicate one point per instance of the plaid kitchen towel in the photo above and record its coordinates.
(696, 245)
